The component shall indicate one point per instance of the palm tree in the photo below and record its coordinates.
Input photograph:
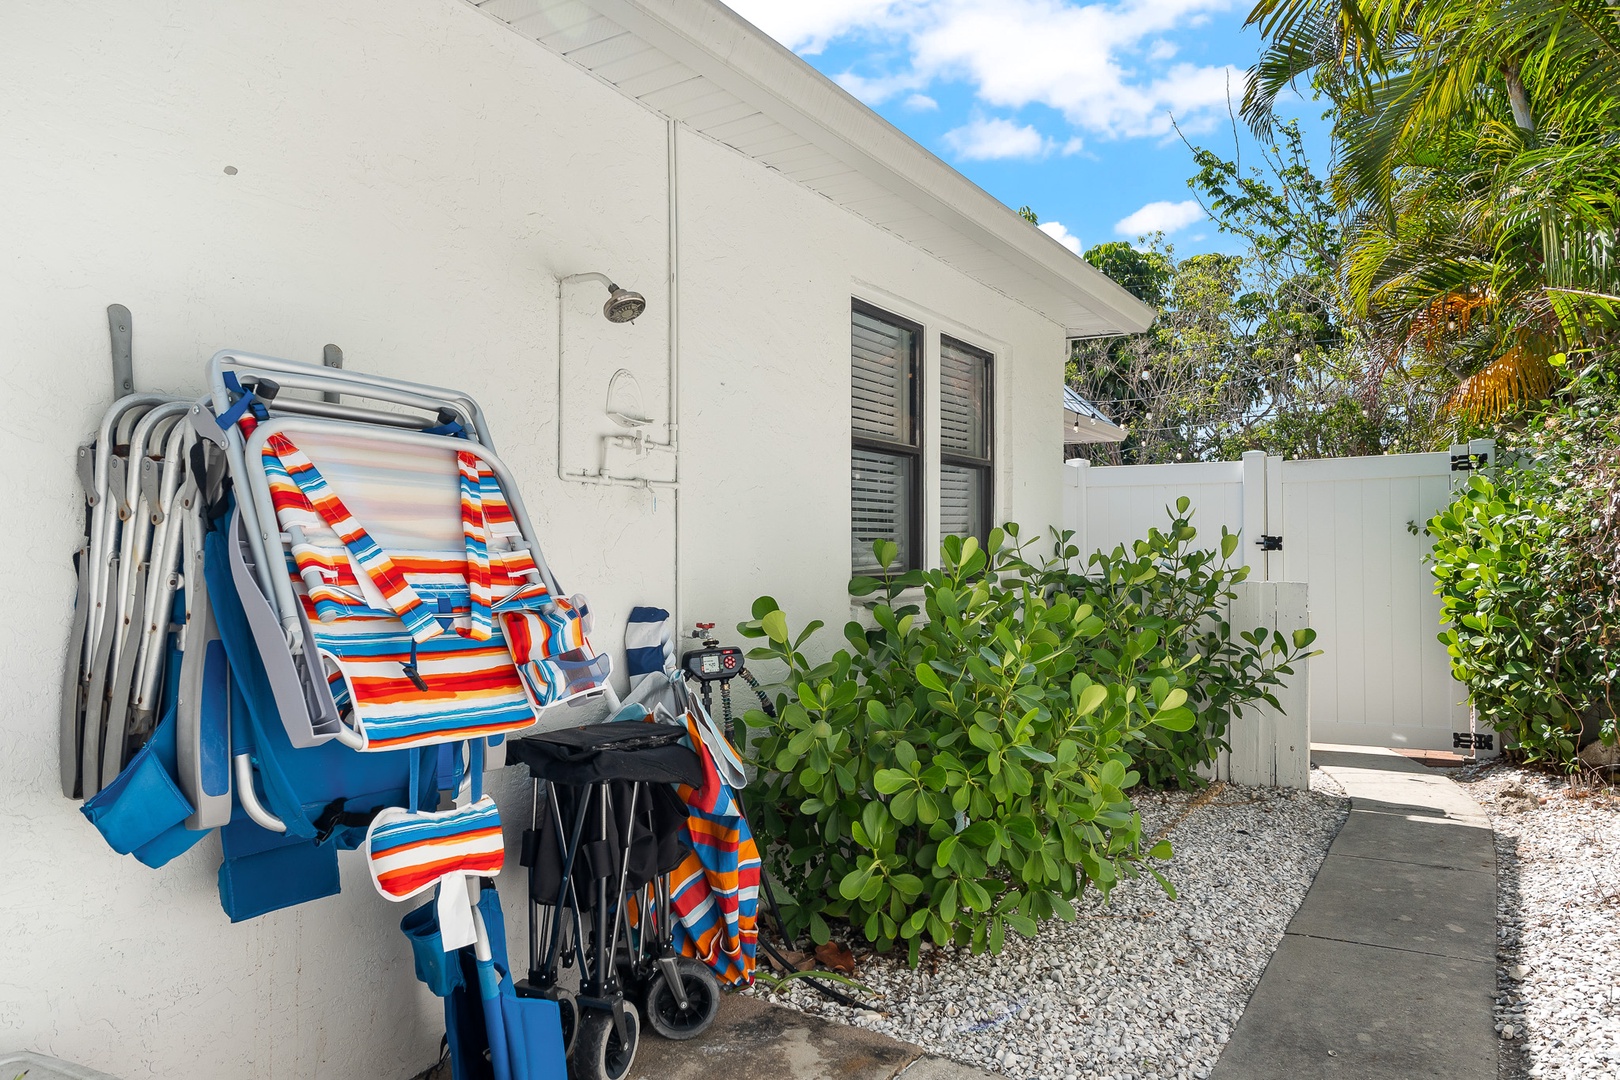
(1478, 161)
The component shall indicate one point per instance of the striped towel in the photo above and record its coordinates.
(715, 890)
(648, 649)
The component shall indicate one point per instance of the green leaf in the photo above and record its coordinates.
(1161, 850)
(852, 884)
(774, 623)
(1169, 889)
(1304, 637)
(1175, 719)
(929, 678)
(864, 586)
(947, 848)
(889, 781)
(1090, 698)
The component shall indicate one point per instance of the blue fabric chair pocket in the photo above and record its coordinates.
(264, 871)
(143, 811)
(440, 970)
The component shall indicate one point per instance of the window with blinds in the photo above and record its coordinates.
(886, 456)
(965, 505)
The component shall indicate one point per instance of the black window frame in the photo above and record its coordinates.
(986, 465)
(916, 449)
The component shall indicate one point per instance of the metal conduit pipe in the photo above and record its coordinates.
(671, 443)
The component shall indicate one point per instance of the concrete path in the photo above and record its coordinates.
(753, 1039)
(1388, 971)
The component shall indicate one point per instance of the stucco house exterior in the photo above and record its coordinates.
(413, 180)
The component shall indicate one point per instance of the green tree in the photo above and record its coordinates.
(1251, 352)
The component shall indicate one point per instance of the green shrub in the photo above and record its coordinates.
(1527, 567)
(962, 767)
(1167, 584)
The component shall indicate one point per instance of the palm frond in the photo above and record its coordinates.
(1521, 374)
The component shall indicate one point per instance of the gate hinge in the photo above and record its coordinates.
(1269, 543)
(1469, 462)
(1472, 740)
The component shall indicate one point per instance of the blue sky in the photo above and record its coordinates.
(1063, 105)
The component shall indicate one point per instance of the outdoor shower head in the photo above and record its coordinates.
(622, 305)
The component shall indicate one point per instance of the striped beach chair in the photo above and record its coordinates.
(429, 613)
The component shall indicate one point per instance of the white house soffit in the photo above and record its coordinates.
(699, 62)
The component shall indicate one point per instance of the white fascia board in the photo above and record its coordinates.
(720, 45)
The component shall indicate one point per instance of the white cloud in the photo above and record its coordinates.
(807, 27)
(995, 139)
(1056, 231)
(1103, 65)
(1165, 217)
(921, 103)
(878, 89)
(1073, 146)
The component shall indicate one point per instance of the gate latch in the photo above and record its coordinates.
(1269, 543)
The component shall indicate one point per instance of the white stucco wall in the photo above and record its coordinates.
(410, 178)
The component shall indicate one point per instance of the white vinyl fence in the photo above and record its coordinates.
(1342, 527)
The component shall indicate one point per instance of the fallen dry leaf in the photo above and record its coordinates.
(836, 957)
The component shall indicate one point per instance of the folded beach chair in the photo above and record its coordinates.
(436, 544)
(155, 463)
(104, 472)
(418, 594)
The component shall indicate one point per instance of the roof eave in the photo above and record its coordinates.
(718, 43)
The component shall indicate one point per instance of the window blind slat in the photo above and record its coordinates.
(963, 401)
(962, 500)
(880, 369)
(880, 506)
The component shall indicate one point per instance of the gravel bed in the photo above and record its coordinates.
(1142, 987)
(1558, 922)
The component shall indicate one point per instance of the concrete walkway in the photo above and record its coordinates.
(1388, 971)
(753, 1039)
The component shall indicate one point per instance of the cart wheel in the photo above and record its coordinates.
(568, 1015)
(668, 1017)
(599, 1054)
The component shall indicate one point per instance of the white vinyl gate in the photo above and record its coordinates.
(1341, 526)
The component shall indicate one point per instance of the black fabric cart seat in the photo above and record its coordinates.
(628, 763)
(623, 750)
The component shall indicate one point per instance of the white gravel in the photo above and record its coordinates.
(1558, 922)
(1142, 987)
